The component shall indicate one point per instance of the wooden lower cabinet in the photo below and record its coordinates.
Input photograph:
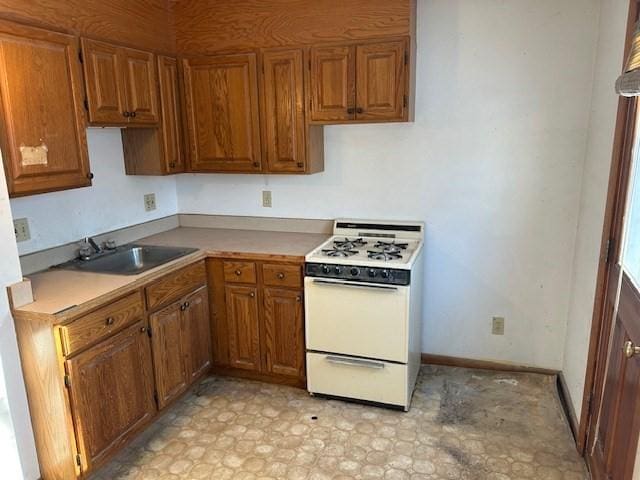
(111, 393)
(258, 329)
(197, 334)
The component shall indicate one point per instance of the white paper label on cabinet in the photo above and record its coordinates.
(34, 155)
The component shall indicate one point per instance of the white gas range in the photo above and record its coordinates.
(363, 306)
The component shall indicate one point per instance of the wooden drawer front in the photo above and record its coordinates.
(282, 275)
(101, 323)
(175, 285)
(240, 272)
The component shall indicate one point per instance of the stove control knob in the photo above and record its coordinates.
(325, 269)
(372, 272)
(338, 270)
(355, 271)
(384, 274)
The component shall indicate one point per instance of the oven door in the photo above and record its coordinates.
(357, 319)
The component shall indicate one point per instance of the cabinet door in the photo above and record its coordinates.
(197, 334)
(42, 131)
(168, 353)
(141, 86)
(172, 144)
(382, 85)
(284, 122)
(242, 320)
(111, 392)
(221, 95)
(332, 84)
(105, 83)
(284, 335)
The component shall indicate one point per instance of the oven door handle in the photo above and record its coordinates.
(354, 285)
(354, 362)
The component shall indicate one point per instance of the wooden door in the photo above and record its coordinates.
(242, 322)
(332, 81)
(105, 83)
(172, 142)
(284, 119)
(284, 332)
(615, 423)
(42, 135)
(197, 334)
(381, 81)
(221, 96)
(141, 86)
(111, 393)
(168, 347)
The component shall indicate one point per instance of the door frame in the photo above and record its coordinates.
(610, 246)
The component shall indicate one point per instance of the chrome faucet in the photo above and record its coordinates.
(93, 244)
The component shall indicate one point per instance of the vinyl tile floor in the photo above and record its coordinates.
(463, 424)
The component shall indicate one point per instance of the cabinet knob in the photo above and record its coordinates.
(298, 299)
(359, 110)
(143, 329)
(172, 165)
(252, 294)
(281, 276)
(351, 110)
(133, 114)
(256, 164)
(182, 308)
(186, 304)
(90, 176)
(110, 321)
(238, 272)
(300, 165)
(126, 114)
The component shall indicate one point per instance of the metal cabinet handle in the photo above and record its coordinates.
(110, 321)
(354, 285)
(630, 350)
(126, 114)
(354, 362)
(281, 276)
(186, 304)
(238, 272)
(133, 114)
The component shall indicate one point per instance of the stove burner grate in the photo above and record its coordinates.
(348, 244)
(383, 255)
(391, 247)
(337, 252)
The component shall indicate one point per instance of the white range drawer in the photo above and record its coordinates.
(350, 377)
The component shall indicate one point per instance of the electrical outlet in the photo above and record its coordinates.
(266, 199)
(497, 327)
(21, 229)
(150, 202)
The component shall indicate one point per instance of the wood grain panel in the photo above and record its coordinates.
(207, 26)
(278, 275)
(141, 87)
(284, 332)
(142, 24)
(172, 140)
(218, 312)
(117, 376)
(239, 272)
(101, 323)
(223, 120)
(333, 83)
(168, 349)
(197, 334)
(175, 285)
(381, 81)
(244, 333)
(284, 119)
(41, 111)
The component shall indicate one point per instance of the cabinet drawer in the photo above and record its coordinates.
(101, 323)
(282, 275)
(175, 285)
(240, 272)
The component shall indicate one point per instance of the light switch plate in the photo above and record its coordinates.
(150, 202)
(497, 326)
(266, 199)
(21, 229)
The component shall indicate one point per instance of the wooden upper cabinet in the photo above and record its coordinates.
(42, 131)
(197, 334)
(244, 332)
(141, 86)
(111, 393)
(332, 83)
(121, 84)
(284, 119)
(221, 96)
(284, 332)
(168, 353)
(381, 81)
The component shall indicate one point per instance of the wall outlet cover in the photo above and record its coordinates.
(266, 199)
(21, 229)
(497, 326)
(150, 202)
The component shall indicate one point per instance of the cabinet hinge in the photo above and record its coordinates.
(149, 332)
(155, 398)
(67, 381)
(405, 101)
(80, 57)
(609, 251)
(86, 104)
(78, 460)
(406, 58)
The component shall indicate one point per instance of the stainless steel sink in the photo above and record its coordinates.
(128, 259)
